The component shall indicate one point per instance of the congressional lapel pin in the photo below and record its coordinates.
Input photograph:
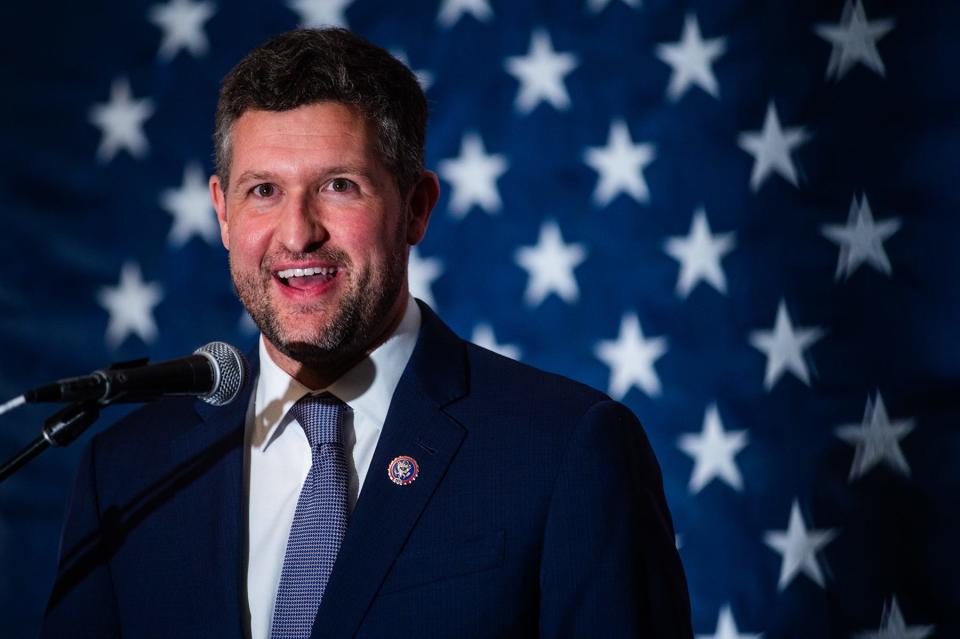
(403, 470)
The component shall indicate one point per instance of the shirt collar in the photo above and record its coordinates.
(367, 388)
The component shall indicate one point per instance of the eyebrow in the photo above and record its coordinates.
(251, 176)
(266, 176)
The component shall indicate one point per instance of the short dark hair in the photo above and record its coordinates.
(306, 66)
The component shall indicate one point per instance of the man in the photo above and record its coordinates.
(459, 494)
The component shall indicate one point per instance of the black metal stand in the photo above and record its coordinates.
(59, 429)
(20, 460)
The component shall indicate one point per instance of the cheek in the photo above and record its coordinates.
(368, 236)
(249, 242)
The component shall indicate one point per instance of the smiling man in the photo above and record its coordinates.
(379, 475)
(318, 232)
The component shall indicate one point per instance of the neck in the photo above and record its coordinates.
(317, 375)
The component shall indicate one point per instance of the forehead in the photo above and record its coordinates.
(319, 130)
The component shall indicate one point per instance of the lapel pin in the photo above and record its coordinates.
(403, 470)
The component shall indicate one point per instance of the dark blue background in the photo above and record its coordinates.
(70, 222)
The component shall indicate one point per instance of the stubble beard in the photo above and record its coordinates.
(352, 328)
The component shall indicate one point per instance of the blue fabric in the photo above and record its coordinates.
(319, 521)
(538, 510)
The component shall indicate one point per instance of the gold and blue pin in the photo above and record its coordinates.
(403, 470)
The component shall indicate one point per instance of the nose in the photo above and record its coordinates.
(300, 228)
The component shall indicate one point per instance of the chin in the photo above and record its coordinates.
(319, 341)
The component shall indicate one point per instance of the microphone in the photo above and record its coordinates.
(215, 372)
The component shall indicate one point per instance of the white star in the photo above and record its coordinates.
(452, 10)
(877, 439)
(620, 165)
(321, 13)
(596, 6)
(191, 208)
(473, 176)
(130, 305)
(541, 73)
(713, 451)
(549, 265)
(483, 336)
(424, 77)
(121, 122)
(421, 272)
(182, 25)
(727, 627)
(631, 357)
(894, 626)
(799, 548)
(690, 60)
(771, 149)
(784, 346)
(861, 240)
(854, 40)
(699, 254)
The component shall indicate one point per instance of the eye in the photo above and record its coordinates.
(265, 190)
(340, 185)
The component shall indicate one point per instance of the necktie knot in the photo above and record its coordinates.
(321, 417)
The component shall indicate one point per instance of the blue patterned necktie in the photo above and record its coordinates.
(319, 522)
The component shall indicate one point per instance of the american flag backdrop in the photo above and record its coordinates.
(738, 217)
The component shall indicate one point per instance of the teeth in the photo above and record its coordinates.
(306, 272)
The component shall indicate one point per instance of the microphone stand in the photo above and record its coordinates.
(59, 429)
(64, 426)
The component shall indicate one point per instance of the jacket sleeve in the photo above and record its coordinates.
(610, 566)
(82, 603)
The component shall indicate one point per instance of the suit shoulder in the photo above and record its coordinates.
(494, 374)
(512, 409)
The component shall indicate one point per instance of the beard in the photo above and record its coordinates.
(327, 335)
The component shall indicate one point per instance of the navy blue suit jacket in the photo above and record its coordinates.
(538, 510)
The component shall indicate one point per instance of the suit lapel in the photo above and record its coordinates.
(416, 426)
(214, 449)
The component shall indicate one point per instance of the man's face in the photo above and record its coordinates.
(317, 231)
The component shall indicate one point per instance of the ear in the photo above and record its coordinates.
(219, 199)
(420, 202)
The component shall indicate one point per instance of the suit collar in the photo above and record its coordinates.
(438, 366)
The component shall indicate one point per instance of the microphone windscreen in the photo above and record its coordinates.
(229, 372)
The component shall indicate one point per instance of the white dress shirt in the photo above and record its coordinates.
(277, 456)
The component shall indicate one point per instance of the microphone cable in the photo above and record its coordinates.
(13, 403)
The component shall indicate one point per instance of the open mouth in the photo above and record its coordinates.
(306, 277)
